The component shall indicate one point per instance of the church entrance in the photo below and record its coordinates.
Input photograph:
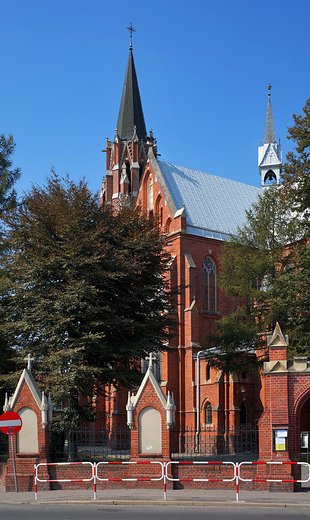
(305, 441)
(305, 431)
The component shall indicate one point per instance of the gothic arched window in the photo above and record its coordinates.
(141, 168)
(150, 194)
(128, 172)
(167, 226)
(209, 285)
(159, 210)
(208, 412)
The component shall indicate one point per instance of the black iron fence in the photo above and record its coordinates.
(212, 442)
(88, 443)
(4, 447)
(91, 443)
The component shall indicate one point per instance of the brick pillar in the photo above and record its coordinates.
(274, 422)
(150, 433)
(31, 444)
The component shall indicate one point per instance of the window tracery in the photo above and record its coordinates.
(209, 285)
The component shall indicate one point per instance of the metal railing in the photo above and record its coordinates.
(235, 473)
(4, 447)
(211, 442)
(88, 442)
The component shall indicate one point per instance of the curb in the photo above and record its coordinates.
(167, 503)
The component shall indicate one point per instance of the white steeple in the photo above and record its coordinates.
(270, 153)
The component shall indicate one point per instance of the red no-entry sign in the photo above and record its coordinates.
(10, 423)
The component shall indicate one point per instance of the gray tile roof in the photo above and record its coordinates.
(215, 206)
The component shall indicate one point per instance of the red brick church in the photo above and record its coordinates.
(198, 211)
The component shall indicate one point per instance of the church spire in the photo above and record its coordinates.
(270, 135)
(127, 155)
(270, 153)
(130, 112)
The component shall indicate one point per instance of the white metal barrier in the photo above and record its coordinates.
(164, 466)
(37, 479)
(269, 463)
(203, 479)
(150, 479)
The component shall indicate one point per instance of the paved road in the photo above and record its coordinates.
(101, 512)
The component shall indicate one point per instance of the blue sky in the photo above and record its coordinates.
(202, 66)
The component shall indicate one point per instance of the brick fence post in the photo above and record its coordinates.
(31, 444)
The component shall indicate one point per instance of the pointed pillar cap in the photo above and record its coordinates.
(277, 340)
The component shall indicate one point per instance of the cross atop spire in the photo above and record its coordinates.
(131, 30)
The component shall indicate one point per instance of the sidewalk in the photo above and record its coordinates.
(184, 497)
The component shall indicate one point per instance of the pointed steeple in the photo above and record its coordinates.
(127, 155)
(270, 153)
(130, 112)
(270, 136)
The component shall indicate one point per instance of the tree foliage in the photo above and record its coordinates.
(266, 268)
(292, 294)
(8, 176)
(84, 291)
(234, 343)
(296, 178)
(251, 263)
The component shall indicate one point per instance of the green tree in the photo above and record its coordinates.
(234, 344)
(292, 292)
(251, 264)
(84, 291)
(266, 268)
(296, 170)
(8, 176)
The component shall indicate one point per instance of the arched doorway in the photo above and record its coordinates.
(305, 431)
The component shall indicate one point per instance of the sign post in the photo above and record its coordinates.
(11, 423)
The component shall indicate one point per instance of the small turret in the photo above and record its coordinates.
(270, 153)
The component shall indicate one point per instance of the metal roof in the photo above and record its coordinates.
(215, 206)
